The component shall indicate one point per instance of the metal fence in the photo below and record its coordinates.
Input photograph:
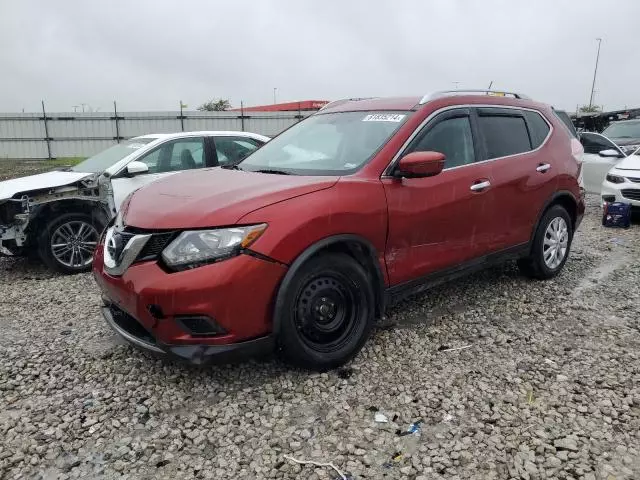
(56, 135)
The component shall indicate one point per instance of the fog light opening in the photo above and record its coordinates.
(200, 326)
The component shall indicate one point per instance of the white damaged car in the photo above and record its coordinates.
(60, 214)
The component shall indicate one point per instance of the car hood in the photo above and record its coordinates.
(213, 197)
(632, 162)
(41, 181)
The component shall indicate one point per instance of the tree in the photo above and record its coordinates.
(590, 108)
(215, 105)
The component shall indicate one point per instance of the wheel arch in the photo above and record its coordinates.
(355, 246)
(563, 198)
(45, 212)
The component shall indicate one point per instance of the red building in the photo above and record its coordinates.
(302, 106)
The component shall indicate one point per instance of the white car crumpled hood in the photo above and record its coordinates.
(9, 188)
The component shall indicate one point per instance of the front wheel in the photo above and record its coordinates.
(67, 242)
(327, 313)
(551, 245)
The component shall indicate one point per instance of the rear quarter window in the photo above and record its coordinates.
(538, 128)
(504, 134)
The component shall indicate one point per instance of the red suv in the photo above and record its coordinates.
(303, 244)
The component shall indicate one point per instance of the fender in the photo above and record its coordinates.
(347, 239)
(561, 194)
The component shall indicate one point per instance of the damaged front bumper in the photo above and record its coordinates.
(14, 219)
(20, 216)
(197, 354)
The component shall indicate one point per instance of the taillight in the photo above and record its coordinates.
(577, 150)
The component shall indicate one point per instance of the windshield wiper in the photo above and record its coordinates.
(275, 172)
(232, 166)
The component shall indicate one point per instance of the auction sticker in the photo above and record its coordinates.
(384, 117)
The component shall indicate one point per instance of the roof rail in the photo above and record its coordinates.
(451, 93)
(344, 100)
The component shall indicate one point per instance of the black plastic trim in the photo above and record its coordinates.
(398, 292)
(379, 286)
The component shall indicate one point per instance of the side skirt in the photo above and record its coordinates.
(398, 292)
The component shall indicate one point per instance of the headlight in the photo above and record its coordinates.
(199, 247)
(615, 179)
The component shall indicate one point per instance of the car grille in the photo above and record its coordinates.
(154, 246)
(633, 179)
(631, 194)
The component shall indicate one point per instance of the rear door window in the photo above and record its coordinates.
(505, 132)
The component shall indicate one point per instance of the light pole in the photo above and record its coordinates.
(456, 84)
(595, 72)
(274, 95)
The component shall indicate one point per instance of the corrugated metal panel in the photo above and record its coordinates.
(84, 134)
(22, 149)
(29, 126)
(78, 148)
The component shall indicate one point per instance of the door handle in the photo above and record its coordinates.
(543, 167)
(479, 186)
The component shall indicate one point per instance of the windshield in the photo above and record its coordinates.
(326, 144)
(623, 130)
(103, 160)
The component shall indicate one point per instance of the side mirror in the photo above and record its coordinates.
(420, 164)
(136, 168)
(610, 153)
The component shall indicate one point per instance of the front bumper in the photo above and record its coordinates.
(150, 305)
(627, 192)
(128, 328)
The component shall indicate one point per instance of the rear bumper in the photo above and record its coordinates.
(197, 354)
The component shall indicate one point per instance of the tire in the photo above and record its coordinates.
(80, 231)
(327, 313)
(542, 263)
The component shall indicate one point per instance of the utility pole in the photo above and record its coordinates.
(595, 71)
(274, 95)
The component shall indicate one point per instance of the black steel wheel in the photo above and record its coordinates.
(328, 312)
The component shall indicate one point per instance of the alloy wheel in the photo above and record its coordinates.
(73, 243)
(555, 243)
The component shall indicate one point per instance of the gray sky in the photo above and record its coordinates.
(149, 54)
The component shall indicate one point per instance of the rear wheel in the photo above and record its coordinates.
(68, 241)
(327, 313)
(551, 245)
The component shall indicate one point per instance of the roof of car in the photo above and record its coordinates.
(414, 103)
(220, 133)
(378, 103)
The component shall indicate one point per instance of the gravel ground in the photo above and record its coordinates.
(548, 388)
